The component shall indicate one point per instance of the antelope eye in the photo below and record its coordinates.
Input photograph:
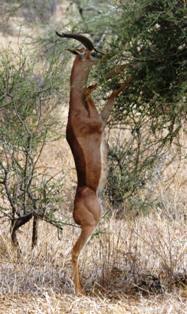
(95, 55)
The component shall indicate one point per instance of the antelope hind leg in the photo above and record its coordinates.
(86, 214)
(84, 236)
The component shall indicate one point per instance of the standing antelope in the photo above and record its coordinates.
(84, 134)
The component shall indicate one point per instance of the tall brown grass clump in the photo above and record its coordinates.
(134, 265)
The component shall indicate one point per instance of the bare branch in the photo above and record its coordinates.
(8, 193)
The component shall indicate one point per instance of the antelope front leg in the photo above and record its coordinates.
(83, 238)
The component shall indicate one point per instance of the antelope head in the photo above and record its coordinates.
(89, 52)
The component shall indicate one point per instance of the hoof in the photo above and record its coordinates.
(80, 292)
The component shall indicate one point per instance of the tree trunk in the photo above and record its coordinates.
(35, 231)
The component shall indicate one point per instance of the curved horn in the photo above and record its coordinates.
(84, 40)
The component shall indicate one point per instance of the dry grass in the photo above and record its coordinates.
(135, 266)
(51, 303)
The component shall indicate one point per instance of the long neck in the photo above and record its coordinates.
(78, 80)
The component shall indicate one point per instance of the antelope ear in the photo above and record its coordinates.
(76, 52)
